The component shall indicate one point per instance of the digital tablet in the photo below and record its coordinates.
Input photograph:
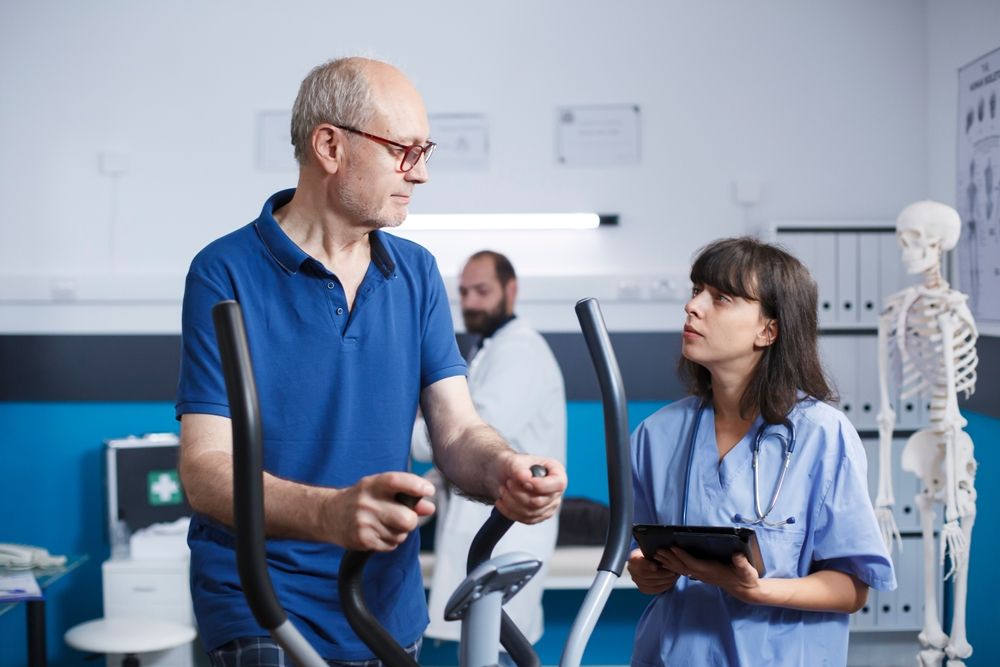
(717, 543)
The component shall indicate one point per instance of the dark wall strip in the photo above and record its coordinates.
(986, 400)
(144, 368)
(89, 368)
(648, 363)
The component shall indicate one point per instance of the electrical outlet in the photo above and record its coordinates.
(662, 289)
(629, 290)
(63, 289)
(746, 192)
(113, 163)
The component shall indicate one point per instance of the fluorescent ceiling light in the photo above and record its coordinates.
(492, 221)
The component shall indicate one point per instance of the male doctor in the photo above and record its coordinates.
(517, 389)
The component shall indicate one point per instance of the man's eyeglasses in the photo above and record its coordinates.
(411, 154)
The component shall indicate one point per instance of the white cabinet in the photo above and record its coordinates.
(156, 589)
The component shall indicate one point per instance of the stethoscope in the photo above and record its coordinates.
(787, 447)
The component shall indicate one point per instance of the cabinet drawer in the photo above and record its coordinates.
(175, 613)
(135, 589)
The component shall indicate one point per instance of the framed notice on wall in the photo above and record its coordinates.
(598, 135)
(978, 187)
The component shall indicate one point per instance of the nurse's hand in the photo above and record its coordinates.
(649, 576)
(739, 579)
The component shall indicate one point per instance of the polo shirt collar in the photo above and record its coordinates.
(282, 249)
(381, 253)
(290, 256)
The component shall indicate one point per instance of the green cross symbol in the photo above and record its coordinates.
(164, 487)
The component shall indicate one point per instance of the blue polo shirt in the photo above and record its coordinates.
(338, 393)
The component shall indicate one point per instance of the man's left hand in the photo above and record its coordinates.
(526, 498)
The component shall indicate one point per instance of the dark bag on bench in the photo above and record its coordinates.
(583, 522)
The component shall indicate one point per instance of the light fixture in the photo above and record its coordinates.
(510, 221)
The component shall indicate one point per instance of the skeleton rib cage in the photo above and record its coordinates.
(915, 358)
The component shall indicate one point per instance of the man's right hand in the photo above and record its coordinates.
(650, 577)
(368, 517)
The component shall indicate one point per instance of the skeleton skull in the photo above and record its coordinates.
(925, 230)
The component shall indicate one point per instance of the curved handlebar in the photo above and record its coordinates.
(361, 619)
(248, 485)
(248, 457)
(588, 311)
(492, 532)
(352, 601)
(364, 623)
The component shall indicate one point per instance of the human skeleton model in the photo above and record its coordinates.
(928, 334)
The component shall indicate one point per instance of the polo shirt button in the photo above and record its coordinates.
(340, 311)
(331, 285)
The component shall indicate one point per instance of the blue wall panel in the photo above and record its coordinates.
(984, 585)
(53, 495)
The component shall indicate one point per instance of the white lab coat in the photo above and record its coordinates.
(517, 388)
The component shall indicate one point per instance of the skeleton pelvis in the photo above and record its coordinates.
(924, 457)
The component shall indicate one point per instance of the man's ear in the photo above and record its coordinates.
(510, 292)
(327, 144)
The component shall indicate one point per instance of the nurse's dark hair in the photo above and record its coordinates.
(752, 269)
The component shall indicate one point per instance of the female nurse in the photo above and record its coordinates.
(749, 354)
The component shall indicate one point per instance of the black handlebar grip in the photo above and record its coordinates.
(407, 499)
(492, 531)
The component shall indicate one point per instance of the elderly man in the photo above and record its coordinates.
(517, 388)
(349, 328)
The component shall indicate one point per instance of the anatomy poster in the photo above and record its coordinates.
(978, 194)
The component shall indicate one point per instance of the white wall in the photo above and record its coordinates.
(822, 103)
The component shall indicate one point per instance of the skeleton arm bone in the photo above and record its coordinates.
(953, 540)
(884, 499)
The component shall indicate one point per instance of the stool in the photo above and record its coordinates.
(128, 636)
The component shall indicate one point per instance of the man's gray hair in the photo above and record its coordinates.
(337, 92)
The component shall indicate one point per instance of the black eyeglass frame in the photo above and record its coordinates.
(411, 154)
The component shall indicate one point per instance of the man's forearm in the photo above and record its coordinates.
(472, 462)
(293, 510)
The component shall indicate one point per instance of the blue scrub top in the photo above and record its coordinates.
(338, 393)
(825, 490)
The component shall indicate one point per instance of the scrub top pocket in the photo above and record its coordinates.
(781, 549)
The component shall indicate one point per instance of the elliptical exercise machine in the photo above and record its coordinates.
(478, 600)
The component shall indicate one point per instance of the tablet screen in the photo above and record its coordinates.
(717, 543)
